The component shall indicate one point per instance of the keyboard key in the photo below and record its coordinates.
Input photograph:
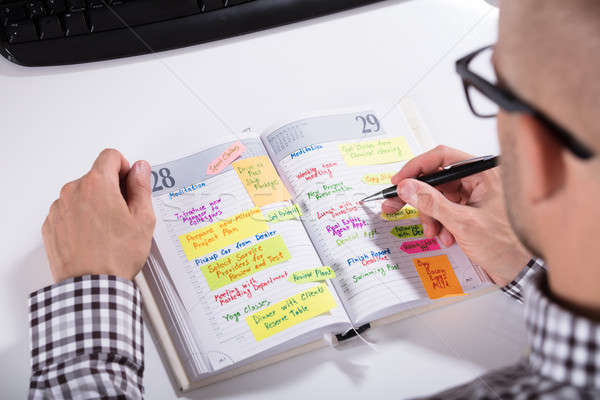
(103, 19)
(75, 24)
(210, 5)
(235, 2)
(10, 14)
(75, 5)
(34, 8)
(55, 7)
(49, 27)
(95, 4)
(23, 31)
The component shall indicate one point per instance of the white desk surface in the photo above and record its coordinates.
(56, 120)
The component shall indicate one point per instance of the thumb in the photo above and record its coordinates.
(139, 197)
(429, 201)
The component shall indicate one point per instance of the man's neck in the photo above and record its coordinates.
(574, 277)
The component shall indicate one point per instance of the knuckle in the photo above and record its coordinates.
(443, 149)
(67, 189)
(425, 201)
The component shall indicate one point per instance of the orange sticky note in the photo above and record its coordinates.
(261, 180)
(438, 277)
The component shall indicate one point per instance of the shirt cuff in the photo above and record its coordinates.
(516, 286)
(96, 315)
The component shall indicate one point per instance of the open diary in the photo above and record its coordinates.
(262, 249)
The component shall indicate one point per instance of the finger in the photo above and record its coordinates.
(431, 227)
(429, 162)
(446, 237)
(139, 197)
(390, 206)
(111, 163)
(430, 201)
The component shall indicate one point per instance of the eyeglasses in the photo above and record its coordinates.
(485, 98)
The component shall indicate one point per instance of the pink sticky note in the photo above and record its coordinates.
(419, 246)
(226, 158)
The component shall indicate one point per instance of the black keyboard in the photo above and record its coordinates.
(58, 32)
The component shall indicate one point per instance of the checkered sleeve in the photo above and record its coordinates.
(87, 339)
(515, 287)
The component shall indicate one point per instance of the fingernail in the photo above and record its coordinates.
(142, 166)
(406, 192)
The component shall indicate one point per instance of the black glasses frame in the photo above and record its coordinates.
(510, 102)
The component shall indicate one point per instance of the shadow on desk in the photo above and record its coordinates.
(30, 274)
(486, 332)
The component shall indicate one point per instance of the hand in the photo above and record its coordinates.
(470, 211)
(93, 229)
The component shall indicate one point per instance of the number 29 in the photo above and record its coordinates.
(370, 123)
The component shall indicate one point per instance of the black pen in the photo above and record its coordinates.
(448, 174)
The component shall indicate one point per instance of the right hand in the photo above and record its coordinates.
(470, 211)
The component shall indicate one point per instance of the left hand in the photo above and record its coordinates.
(93, 229)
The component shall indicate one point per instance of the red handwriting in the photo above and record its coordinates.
(247, 289)
(341, 209)
(314, 172)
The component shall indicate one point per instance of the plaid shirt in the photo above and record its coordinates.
(86, 342)
(564, 351)
(87, 339)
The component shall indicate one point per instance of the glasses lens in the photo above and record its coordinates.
(482, 106)
(482, 65)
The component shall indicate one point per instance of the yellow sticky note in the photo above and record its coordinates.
(438, 277)
(283, 214)
(404, 213)
(292, 311)
(382, 178)
(245, 262)
(261, 180)
(223, 233)
(380, 151)
(312, 275)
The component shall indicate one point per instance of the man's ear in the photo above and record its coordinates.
(543, 169)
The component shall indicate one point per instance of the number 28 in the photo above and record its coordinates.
(167, 179)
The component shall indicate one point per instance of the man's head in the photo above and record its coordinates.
(548, 53)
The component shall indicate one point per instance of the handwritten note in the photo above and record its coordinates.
(419, 246)
(290, 312)
(404, 213)
(283, 214)
(326, 190)
(261, 180)
(407, 231)
(378, 179)
(227, 157)
(312, 275)
(223, 233)
(438, 277)
(243, 263)
(380, 151)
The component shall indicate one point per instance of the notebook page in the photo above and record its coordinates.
(375, 269)
(208, 265)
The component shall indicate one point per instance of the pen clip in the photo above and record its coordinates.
(469, 161)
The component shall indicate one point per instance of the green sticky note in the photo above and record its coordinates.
(312, 275)
(407, 231)
(283, 214)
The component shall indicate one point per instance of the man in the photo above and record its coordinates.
(86, 329)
